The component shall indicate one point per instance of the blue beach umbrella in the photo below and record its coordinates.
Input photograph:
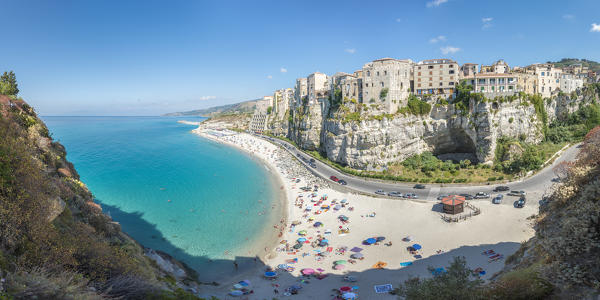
(380, 238)
(370, 241)
(270, 274)
(317, 224)
(301, 240)
(416, 246)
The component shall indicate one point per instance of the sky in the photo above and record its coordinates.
(151, 57)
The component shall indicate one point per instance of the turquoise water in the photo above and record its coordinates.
(170, 189)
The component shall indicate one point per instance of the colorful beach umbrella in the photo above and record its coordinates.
(416, 246)
(307, 271)
(345, 289)
(349, 296)
(303, 232)
(318, 224)
(339, 267)
(357, 255)
(380, 238)
(270, 274)
(340, 262)
(301, 240)
(379, 265)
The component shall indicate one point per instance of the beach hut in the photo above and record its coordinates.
(453, 204)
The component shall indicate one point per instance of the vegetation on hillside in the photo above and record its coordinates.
(55, 242)
(415, 106)
(592, 65)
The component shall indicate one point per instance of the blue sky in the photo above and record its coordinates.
(152, 57)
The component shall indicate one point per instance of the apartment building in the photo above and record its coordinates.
(300, 91)
(281, 101)
(499, 67)
(259, 122)
(570, 83)
(547, 78)
(386, 82)
(436, 76)
(318, 87)
(494, 84)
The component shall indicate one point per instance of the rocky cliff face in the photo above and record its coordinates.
(371, 142)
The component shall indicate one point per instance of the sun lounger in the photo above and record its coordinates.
(488, 252)
(493, 256)
(499, 257)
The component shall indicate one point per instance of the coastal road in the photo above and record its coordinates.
(538, 183)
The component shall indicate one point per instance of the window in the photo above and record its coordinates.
(451, 77)
(419, 80)
(384, 72)
(430, 84)
(441, 84)
(480, 81)
(419, 85)
(451, 66)
(419, 69)
(543, 74)
(492, 80)
(430, 78)
(482, 89)
(493, 88)
(382, 84)
(419, 73)
(510, 87)
(430, 73)
(500, 80)
(451, 72)
(441, 78)
(430, 67)
(451, 83)
(368, 73)
(377, 73)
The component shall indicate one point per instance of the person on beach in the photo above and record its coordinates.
(235, 265)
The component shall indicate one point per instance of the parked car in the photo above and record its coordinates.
(482, 195)
(440, 197)
(342, 182)
(395, 194)
(419, 186)
(498, 199)
(312, 164)
(379, 192)
(521, 202)
(312, 160)
(516, 193)
(411, 196)
(501, 188)
(334, 178)
(467, 196)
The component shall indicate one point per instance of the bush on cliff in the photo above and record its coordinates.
(416, 107)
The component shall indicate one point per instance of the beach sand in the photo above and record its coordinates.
(500, 228)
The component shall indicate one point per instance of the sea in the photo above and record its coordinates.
(202, 202)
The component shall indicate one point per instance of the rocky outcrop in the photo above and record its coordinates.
(352, 135)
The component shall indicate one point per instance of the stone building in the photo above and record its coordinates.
(436, 77)
(281, 101)
(264, 104)
(349, 85)
(499, 67)
(569, 83)
(386, 81)
(468, 70)
(300, 91)
(318, 87)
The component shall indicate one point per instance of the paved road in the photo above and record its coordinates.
(537, 184)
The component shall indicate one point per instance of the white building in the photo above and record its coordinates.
(263, 105)
(547, 78)
(569, 83)
(318, 87)
(259, 122)
(386, 81)
(494, 84)
(300, 91)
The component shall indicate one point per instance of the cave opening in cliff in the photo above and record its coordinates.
(455, 145)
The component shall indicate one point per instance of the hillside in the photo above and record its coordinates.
(592, 65)
(229, 109)
(55, 241)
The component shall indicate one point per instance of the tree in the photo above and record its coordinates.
(269, 110)
(8, 84)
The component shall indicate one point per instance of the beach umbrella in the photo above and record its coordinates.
(340, 262)
(339, 267)
(297, 246)
(317, 224)
(370, 241)
(301, 240)
(357, 255)
(296, 223)
(344, 201)
(307, 271)
(325, 206)
(356, 249)
(245, 282)
(270, 274)
(236, 293)
(337, 207)
(303, 232)
(345, 289)
(311, 218)
(416, 246)
(324, 243)
(343, 218)
(349, 295)
(379, 265)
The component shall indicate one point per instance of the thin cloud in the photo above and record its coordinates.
(208, 97)
(439, 38)
(449, 50)
(269, 76)
(568, 17)
(350, 50)
(283, 70)
(487, 22)
(595, 27)
(436, 3)
(398, 20)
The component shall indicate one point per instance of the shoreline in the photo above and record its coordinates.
(498, 227)
(280, 216)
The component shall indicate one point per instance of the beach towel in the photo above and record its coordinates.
(383, 288)
(329, 249)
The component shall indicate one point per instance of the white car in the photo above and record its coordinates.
(379, 192)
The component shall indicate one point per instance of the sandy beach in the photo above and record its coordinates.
(333, 225)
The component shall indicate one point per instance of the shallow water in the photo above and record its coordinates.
(170, 189)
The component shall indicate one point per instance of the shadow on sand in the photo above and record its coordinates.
(225, 273)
